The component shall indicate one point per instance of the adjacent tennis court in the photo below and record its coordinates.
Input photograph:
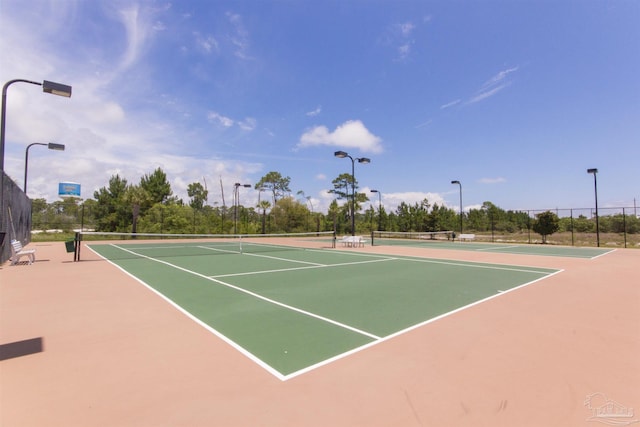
(443, 240)
(293, 309)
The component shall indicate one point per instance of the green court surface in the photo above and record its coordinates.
(505, 248)
(293, 310)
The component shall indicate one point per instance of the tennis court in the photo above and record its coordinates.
(203, 343)
(442, 240)
(292, 309)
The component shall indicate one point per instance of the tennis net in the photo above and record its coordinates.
(406, 238)
(127, 245)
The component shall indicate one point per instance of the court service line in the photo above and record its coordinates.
(471, 264)
(255, 295)
(497, 248)
(308, 267)
(476, 265)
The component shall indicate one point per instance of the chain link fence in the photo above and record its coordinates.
(615, 227)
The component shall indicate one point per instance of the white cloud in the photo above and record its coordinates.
(423, 124)
(137, 33)
(450, 104)
(351, 134)
(315, 112)
(487, 93)
(406, 28)
(206, 43)
(404, 51)
(240, 38)
(213, 116)
(495, 80)
(494, 85)
(247, 124)
(108, 112)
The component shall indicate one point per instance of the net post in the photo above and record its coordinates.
(76, 249)
(333, 240)
(372, 234)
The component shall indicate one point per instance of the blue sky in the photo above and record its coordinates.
(515, 99)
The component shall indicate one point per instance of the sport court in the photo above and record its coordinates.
(441, 240)
(293, 309)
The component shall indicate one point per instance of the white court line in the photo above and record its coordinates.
(498, 248)
(308, 267)
(255, 295)
(376, 339)
(606, 253)
(223, 337)
(410, 328)
(488, 267)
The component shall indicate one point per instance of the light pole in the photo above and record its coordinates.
(379, 207)
(51, 146)
(342, 155)
(594, 171)
(237, 186)
(458, 182)
(47, 87)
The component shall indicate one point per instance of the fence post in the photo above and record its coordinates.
(624, 227)
(572, 239)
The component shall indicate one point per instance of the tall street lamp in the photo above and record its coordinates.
(458, 182)
(379, 207)
(594, 171)
(236, 194)
(51, 146)
(342, 155)
(47, 87)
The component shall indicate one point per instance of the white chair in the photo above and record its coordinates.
(18, 251)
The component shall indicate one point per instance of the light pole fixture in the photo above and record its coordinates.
(458, 182)
(594, 171)
(236, 194)
(51, 146)
(47, 87)
(342, 155)
(379, 207)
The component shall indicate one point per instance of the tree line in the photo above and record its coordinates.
(151, 207)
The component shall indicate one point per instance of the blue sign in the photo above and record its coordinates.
(68, 189)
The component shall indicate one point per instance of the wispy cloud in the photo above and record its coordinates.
(240, 38)
(138, 30)
(494, 85)
(206, 44)
(450, 104)
(400, 37)
(213, 116)
(315, 112)
(428, 122)
(248, 124)
(406, 28)
(351, 134)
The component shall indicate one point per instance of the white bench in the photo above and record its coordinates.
(462, 237)
(353, 241)
(17, 252)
